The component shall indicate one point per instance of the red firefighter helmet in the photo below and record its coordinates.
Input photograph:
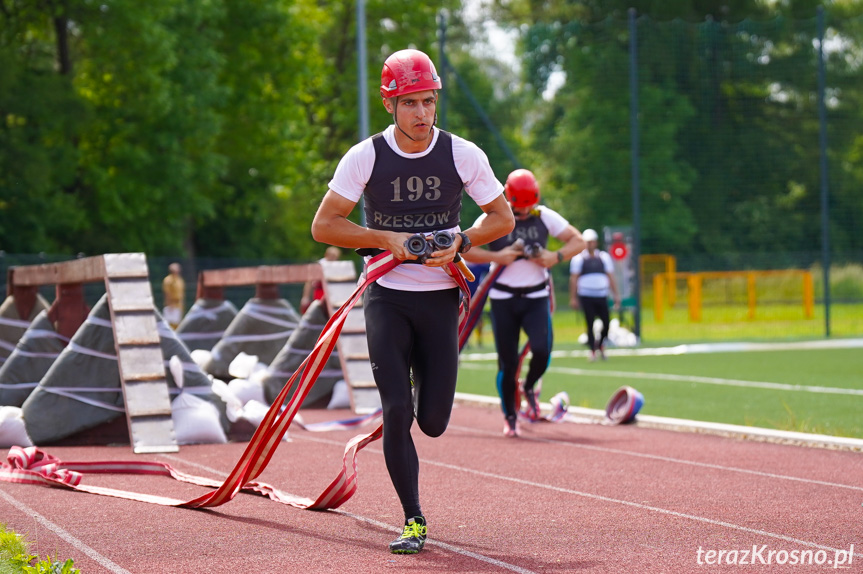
(521, 189)
(408, 71)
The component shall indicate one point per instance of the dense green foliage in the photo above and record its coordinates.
(728, 119)
(169, 127)
(212, 128)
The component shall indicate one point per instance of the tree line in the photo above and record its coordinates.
(728, 117)
(212, 128)
(181, 128)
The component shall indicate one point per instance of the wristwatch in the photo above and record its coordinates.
(465, 243)
(560, 257)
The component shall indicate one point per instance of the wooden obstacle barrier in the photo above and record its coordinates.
(339, 280)
(136, 337)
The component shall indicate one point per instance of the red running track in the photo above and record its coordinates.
(563, 498)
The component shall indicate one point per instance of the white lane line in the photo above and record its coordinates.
(692, 379)
(444, 545)
(431, 542)
(696, 348)
(647, 507)
(672, 460)
(711, 381)
(59, 531)
(607, 499)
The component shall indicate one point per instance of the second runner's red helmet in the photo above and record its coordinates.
(521, 189)
(408, 71)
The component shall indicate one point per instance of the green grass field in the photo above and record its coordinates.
(716, 387)
(727, 323)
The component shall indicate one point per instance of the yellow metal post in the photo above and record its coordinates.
(750, 291)
(658, 297)
(808, 295)
(694, 282)
(671, 273)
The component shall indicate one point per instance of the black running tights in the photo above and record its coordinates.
(594, 307)
(412, 332)
(508, 318)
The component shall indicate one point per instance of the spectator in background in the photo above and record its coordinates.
(174, 294)
(590, 280)
(314, 290)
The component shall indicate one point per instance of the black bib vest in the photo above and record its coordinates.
(413, 195)
(592, 265)
(531, 230)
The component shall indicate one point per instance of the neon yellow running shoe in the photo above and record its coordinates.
(413, 537)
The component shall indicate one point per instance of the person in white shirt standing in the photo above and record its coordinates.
(590, 281)
(520, 294)
(412, 177)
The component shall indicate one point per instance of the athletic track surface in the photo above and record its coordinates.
(565, 497)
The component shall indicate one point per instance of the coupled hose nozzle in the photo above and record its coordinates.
(423, 246)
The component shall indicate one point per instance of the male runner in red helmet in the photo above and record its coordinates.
(411, 177)
(520, 295)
